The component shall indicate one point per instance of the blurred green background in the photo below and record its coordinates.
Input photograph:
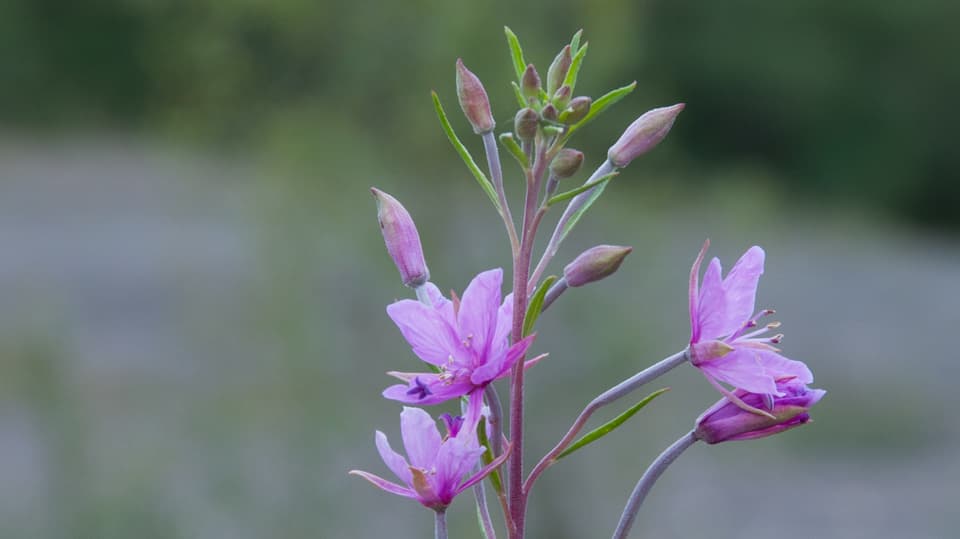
(193, 338)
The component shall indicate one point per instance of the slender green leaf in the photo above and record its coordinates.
(518, 93)
(536, 305)
(611, 425)
(600, 105)
(511, 146)
(572, 222)
(575, 42)
(464, 153)
(574, 192)
(487, 456)
(571, 78)
(516, 53)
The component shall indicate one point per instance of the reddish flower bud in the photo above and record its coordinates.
(594, 264)
(643, 135)
(566, 163)
(549, 112)
(473, 100)
(726, 421)
(402, 239)
(562, 97)
(558, 70)
(530, 83)
(577, 110)
(525, 124)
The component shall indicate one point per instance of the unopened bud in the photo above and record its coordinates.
(577, 110)
(525, 124)
(558, 70)
(726, 421)
(402, 239)
(643, 135)
(473, 100)
(566, 163)
(530, 84)
(549, 113)
(594, 264)
(562, 97)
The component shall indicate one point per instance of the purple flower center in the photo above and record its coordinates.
(452, 423)
(420, 389)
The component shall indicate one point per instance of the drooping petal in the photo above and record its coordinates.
(741, 369)
(421, 438)
(397, 464)
(438, 391)
(388, 486)
(711, 305)
(477, 319)
(780, 367)
(740, 288)
(499, 366)
(431, 337)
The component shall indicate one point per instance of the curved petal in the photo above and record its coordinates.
(740, 288)
(743, 369)
(455, 458)
(693, 293)
(439, 391)
(395, 461)
(431, 337)
(477, 318)
(500, 365)
(421, 438)
(382, 483)
(780, 367)
(441, 304)
(504, 324)
(711, 305)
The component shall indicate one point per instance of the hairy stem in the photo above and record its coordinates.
(607, 397)
(660, 465)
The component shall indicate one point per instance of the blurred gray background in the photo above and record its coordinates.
(193, 336)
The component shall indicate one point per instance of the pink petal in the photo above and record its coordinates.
(694, 293)
(397, 464)
(740, 288)
(485, 470)
(504, 325)
(382, 483)
(499, 366)
(456, 457)
(439, 391)
(711, 306)
(477, 319)
(431, 337)
(742, 369)
(421, 438)
(441, 304)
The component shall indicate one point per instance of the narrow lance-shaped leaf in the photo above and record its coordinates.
(511, 146)
(575, 42)
(518, 93)
(464, 153)
(516, 53)
(536, 305)
(571, 78)
(611, 425)
(600, 105)
(585, 187)
(487, 456)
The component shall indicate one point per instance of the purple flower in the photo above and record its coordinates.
(725, 421)
(434, 473)
(467, 340)
(723, 344)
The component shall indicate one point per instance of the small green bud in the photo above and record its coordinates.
(525, 124)
(577, 110)
(530, 84)
(562, 97)
(566, 163)
(558, 70)
(473, 100)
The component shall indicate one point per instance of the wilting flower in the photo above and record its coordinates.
(466, 339)
(723, 344)
(433, 472)
(725, 421)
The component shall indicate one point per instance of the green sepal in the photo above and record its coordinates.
(574, 192)
(601, 104)
(518, 93)
(552, 130)
(575, 42)
(611, 425)
(487, 456)
(510, 144)
(516, 53)
(536, 305)
(464, 153)
(571, 78)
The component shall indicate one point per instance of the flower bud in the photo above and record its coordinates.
(562, 97)
(577, 110)
(402, 239)
(558, 70)
(566, 163)
(473, 100)
(643, 135)
(530, 83)
(549, 112)
(525, 124)
(726, 421)
(594, 264)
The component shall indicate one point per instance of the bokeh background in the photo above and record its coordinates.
(193, 336)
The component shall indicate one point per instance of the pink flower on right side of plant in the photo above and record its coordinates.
(723, 342)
